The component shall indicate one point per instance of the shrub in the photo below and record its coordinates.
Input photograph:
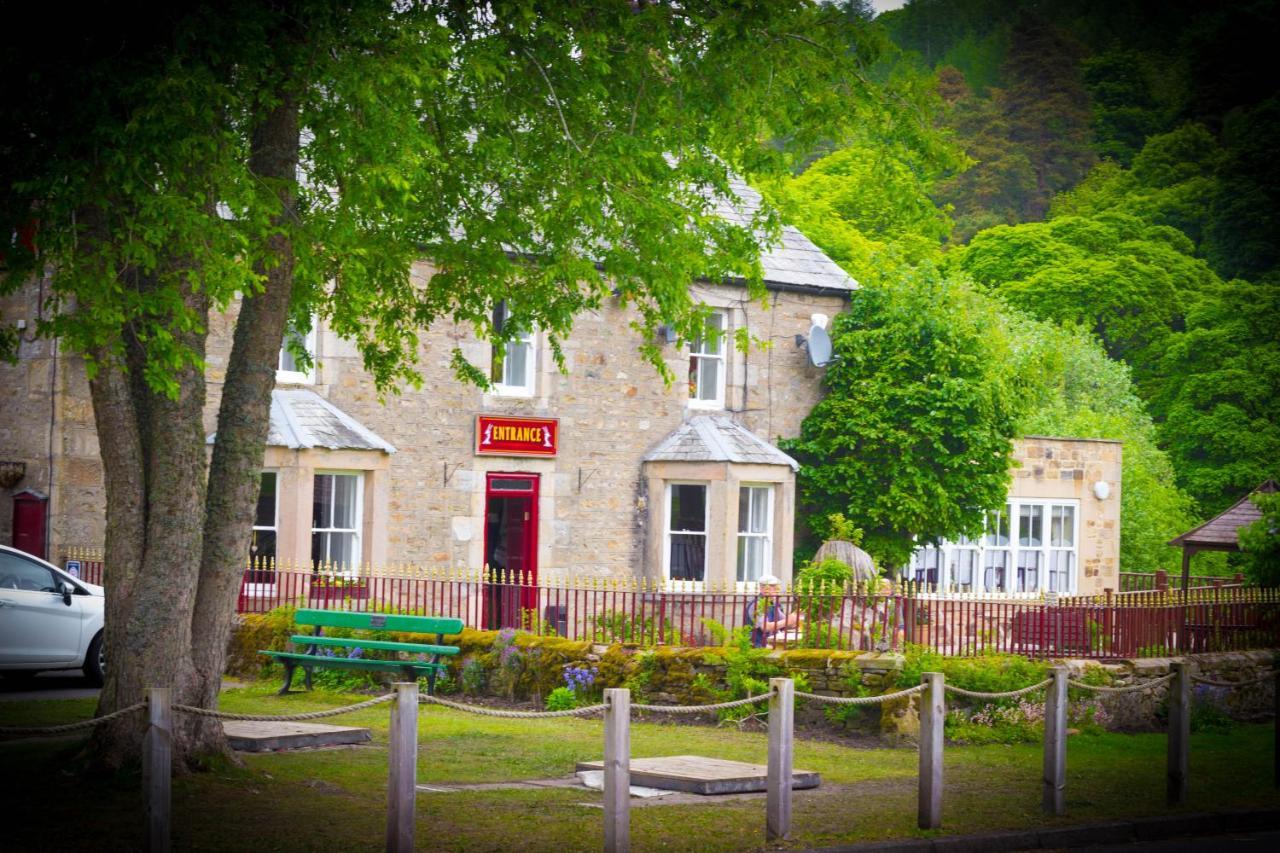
(561, 699)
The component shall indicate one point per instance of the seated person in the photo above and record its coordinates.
(767, 621)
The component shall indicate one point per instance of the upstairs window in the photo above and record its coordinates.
(513, 363)
(290, 369)
(707, 364)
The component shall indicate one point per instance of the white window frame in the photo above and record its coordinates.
(1012, 511)
(698, 352)
(667, 532)
(258, 588)
(766, 566)
(527, 388)
(298, 377)
(358, 530)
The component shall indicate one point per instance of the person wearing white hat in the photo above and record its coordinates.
(769, 619)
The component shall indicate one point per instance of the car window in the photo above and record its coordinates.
(17, 573)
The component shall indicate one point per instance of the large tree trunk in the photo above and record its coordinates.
(153, 455)
(243, 421)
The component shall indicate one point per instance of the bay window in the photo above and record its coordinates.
(336, 511)
(686, 534)
(755, 532)
(262, 544)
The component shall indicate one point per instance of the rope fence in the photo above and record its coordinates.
(481, 711)
(42, 731)
(282, 718)
(617, 708)
(861, 700)
(1008, 694)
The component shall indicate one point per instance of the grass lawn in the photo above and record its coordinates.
(336, 799)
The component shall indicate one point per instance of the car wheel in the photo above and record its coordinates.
(95, 663)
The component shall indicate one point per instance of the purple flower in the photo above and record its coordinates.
(355, 653)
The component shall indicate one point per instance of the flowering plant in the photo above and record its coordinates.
(580, 679)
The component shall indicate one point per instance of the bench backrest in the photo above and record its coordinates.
(379, 621)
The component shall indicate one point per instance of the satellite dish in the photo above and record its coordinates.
(819, 346)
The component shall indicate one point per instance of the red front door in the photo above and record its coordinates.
(30, 515)
(511, 547)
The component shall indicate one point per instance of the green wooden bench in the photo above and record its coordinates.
(411, 670)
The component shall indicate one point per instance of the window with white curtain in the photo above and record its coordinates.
(755, 532)
(1028, 546)
(707, 364)
(336, 509)
(686, 534)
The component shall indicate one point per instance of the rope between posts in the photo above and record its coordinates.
(1008, 694)
(498, 712)
(1266, 676)
(70, 727)
(1097, 688)
(693, 709)
(862, 700)
(283, 718)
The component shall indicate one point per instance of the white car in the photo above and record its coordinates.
(48, 619)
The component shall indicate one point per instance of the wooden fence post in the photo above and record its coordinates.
(1179, 746)
(617, 770)
(781, 748)
(1054, 791)
(157, 767)
(402, 768)
(933, 712)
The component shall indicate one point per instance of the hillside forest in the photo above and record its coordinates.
(1065, 218)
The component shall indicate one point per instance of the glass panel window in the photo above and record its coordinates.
(513, 362)
(291, 367)
(687, 531)
(335, 521)
(1062, 547)
(1040, 554)
(262, 545)
(707, 364)
(755, 531)
(995, 554)
(1030, 539)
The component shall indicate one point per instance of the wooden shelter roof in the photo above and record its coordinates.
(1221, 533)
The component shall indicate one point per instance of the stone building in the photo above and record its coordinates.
(601, 469)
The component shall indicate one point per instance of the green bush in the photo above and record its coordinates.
(561, 699)
(988, 673)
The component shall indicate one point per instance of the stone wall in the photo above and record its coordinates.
(1070, 468)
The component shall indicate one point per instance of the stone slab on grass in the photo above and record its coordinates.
(252, 736)
(697, 774)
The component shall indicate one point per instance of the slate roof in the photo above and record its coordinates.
(717, 438)
(302, 419)
(796, 261)
(1221, 533)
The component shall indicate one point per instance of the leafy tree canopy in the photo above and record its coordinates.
(1124, 279)
(1220, 409)
(914, 435)
(1075, 390)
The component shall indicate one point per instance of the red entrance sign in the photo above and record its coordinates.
(497, 436)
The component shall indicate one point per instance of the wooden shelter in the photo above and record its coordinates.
(1222, 532)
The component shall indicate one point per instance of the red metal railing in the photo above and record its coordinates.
(1132, 624)
(1153, 581)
